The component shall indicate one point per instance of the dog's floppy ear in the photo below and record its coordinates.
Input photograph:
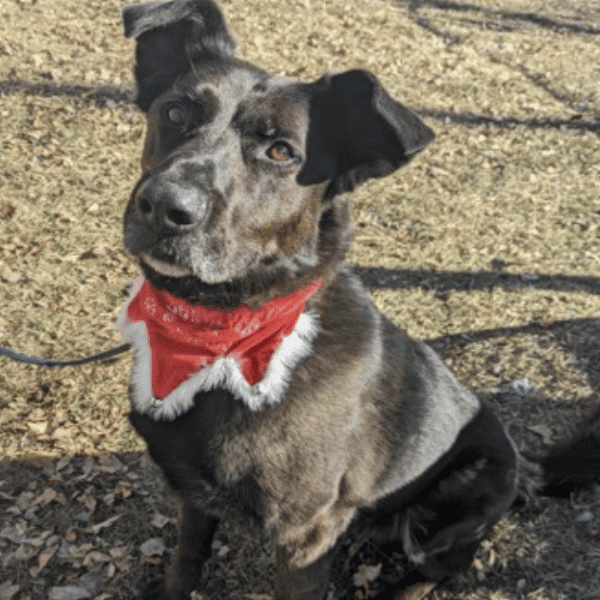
(357, 131)
(171, 36)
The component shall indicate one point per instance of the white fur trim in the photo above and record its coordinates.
(224, 372)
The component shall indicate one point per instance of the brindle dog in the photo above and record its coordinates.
(242, 201)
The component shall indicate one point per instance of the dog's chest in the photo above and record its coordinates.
(204, 454)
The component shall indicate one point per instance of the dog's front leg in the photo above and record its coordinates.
(307, 583)
(196, 531)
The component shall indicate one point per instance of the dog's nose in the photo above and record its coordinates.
(170, 207)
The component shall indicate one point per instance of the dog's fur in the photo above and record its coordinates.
(242, 200)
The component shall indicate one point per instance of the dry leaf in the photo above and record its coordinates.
(40, 540)
(69, 592)
(123, 565)
(15, 534)
(24, 552)
(62, 433)
(8, 590)
(4, 496)
(108, 498)
(118, 551)
(123, 489)
(62, 462)
(47, 496)
(159, 520)
(88, 499)
(95, 557)
(545, 432)
(70, 536)
(153, 547)
(522, 386)
(24, 500)
(103, 525)
(43, 559)
(110, 571)
(109, 463)
(75, 553)
(9, 276)
(355, 547)
(366, 574)
(38, 427)
(87, 469)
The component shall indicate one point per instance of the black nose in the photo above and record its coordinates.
(170, 207)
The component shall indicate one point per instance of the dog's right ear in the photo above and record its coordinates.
(171, 36)
(357, 131)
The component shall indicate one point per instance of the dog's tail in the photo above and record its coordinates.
(572, 464)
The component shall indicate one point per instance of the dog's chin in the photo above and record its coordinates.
(182, 283)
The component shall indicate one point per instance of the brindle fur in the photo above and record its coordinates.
(373, 432)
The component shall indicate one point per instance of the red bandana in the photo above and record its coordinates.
(183, 339)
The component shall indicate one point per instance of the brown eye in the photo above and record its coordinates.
(176, 114)
(280, 152)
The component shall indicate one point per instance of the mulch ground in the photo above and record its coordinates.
(487, 245)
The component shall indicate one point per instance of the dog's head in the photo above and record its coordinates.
(242, 170)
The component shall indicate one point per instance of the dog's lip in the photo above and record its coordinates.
(164, 268)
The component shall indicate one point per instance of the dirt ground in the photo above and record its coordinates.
(487, 245)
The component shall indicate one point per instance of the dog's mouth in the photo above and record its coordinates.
(252, 289)
(180, 282)
(164, 268)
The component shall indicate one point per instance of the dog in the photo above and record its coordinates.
(266, 384)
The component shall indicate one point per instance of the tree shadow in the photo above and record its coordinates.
(109, 95)
(578, 337)
(441, 282)
(474, 120)
(505, 20)
(542, 21)
(100, 95)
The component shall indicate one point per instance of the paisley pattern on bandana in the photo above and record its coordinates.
(182, 349)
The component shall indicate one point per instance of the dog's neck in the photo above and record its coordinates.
(182, 349)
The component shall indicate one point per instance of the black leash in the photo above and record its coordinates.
(50, 362)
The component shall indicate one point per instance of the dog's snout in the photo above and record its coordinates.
(170, 207)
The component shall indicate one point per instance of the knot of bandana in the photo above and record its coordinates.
(183, 339)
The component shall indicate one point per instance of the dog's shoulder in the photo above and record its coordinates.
(410, 403)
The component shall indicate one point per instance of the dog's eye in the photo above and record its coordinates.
(280, 152)
(176, 114)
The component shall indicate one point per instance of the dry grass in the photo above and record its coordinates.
(488, 244)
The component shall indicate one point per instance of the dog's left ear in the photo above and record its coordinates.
(357, 131)
(171, 36)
